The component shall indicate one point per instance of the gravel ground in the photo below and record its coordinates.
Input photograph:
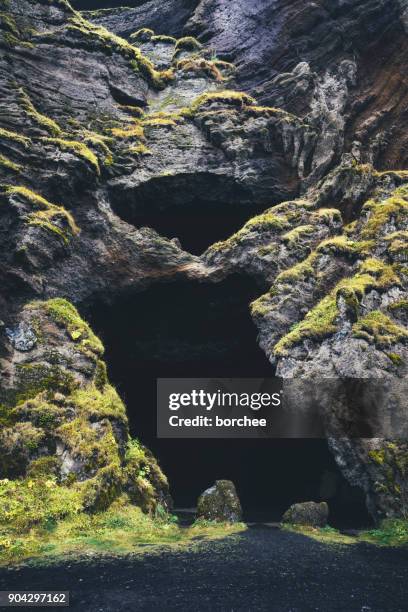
(261, 569)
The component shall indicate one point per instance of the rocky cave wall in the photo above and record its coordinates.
(94, 126)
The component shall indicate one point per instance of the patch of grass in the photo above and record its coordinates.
(326, 535)
(391, 532)
(122, 529)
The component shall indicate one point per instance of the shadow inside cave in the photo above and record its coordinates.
(198, 210)
(196, 330)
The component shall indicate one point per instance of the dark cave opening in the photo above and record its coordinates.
(197, 227)
(204, 330)
(198, 209)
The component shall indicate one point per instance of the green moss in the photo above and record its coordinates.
(92, 448)
(99, 492)
(13, 34)
(28, 503)
(300, 271)
(139, 149)
(341, 245)
(321, 321)
(391, 532)
(110, 43)
(233, 98)
(134, 130)
(46, 214)
(328, 215)
(66, 315)
(14, 137)
(44, 468)
(200, 65)
(94, 402)
(399, 305)
(121, 530)
(261, 307)
(101, 375)
(42, 120)
(159, 122)
(8, 164)
(267, 221)
(298, 233)
(77, 148)
(143, 35)
(161, 38)
(100, 142)
(382, 213)
(398, 247)
(269, 111)
(132, 110)
(188, 43)
(378, 328)
(396, 359)
(36, 378)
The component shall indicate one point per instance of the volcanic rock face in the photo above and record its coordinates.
(99, 133)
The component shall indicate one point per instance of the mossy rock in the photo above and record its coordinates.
(220, 503)
(311, 514)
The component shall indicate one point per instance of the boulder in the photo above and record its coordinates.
(220, 503)
(307, 513)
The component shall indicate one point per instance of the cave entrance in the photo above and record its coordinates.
(186, 329)
(198, 210)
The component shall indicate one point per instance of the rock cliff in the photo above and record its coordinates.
(291, 113)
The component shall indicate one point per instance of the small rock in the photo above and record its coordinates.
(307, 513)
(220, 503)
(22, 337)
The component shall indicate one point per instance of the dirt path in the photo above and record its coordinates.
(261, 569)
